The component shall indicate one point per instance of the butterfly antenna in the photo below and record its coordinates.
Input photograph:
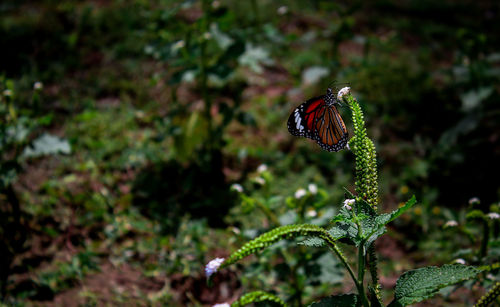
(336, 85)
(333, 82)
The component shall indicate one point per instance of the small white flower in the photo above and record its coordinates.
(207, 35)
(451, 223)
(222, 305)
(178, 45)
(236, 230)
(493, 215)
(7, 92)
(215, 4)
(262, 168)
(348, 202)
(237, 187)
(460, 261)
(311, 213)
(213, 266)
(260, 180)
(282, 10)
(474, 201)
(300, 193)
(38, 85)
(312, 188)
(344, 91)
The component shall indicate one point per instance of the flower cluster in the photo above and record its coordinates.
(364, 150)
(213, 266)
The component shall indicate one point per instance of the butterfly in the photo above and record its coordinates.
(319, 119)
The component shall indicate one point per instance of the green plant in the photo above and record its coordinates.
(358, 224)
(17, 144)
(303, 268)
(480, 230)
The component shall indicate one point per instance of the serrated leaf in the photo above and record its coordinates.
(420, 284)
(336, 232)
(313, 242)
(386, 218)
(345, 300)
(374, 236)
(346, 224)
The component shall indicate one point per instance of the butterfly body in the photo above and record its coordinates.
(318, 119)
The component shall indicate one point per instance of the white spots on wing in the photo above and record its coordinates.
(298, 120)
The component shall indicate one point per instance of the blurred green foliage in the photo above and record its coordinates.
(164, 104)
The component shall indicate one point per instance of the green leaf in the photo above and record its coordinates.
(346, 222)
(386, 218)
(313, 242)
(345, 300)
(475, 214)
(372, 226)
(420, 284)
(332, 272)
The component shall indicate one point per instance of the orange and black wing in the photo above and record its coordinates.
(331, 131)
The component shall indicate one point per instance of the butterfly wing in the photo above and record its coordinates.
(319, 121)
(331, 131)
(302, 120)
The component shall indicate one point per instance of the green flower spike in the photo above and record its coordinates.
(258, 296)
(490, 296)
(364, 150)
(366, 170)
(277, 234)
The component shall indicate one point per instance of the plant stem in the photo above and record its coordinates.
(361, 264)
(361, 274)
(372, 263)
(484, 243)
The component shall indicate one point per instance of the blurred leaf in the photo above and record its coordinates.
(18, 132)
(290, 217)
(254, 56)
(47, 144)
(222, 39)
(312, 75)
(331, 270)
(473, 98)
